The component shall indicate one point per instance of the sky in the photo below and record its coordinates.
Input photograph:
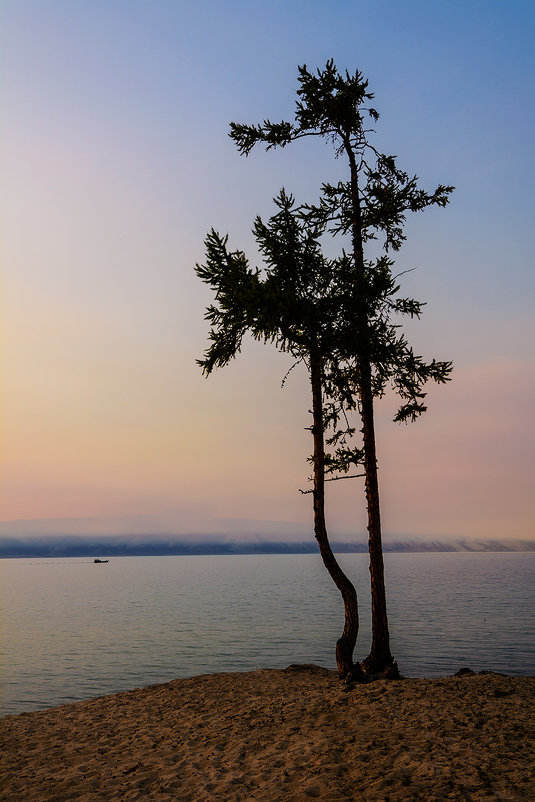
(115, 163)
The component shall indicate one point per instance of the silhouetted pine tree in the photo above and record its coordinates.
(296, 306)
(371, 204)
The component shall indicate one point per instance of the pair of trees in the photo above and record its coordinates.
(336, 316)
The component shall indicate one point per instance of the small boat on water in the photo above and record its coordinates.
(100, 561)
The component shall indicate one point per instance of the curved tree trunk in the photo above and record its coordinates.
(346, 643)
(380, 660)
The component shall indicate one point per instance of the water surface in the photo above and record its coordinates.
(72, 630)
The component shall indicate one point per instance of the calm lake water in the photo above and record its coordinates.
(72, 630)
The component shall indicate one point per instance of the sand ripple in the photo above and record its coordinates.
(279, 735)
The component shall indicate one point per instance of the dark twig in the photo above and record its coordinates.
(335, 479)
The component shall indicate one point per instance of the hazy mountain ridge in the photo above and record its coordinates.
(77, 546)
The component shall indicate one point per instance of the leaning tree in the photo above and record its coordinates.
(306, 305)
(296, 304)
(372, 204)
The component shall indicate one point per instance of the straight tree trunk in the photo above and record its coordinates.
(380, 660)
(346, 643)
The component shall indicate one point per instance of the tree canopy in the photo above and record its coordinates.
(339, 316)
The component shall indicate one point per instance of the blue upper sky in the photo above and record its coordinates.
(116, 161)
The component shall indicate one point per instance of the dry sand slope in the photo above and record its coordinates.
(279, 735)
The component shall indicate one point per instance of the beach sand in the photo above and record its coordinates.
(297, 734)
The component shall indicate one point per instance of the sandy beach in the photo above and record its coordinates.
(296, 734)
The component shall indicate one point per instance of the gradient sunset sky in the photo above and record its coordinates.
(116, 161)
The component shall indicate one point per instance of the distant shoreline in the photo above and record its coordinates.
(136, 546)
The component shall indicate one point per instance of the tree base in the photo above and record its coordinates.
(380, 668)
(344, 656)
(356, 675)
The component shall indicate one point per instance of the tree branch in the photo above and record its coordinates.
(335, 479)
